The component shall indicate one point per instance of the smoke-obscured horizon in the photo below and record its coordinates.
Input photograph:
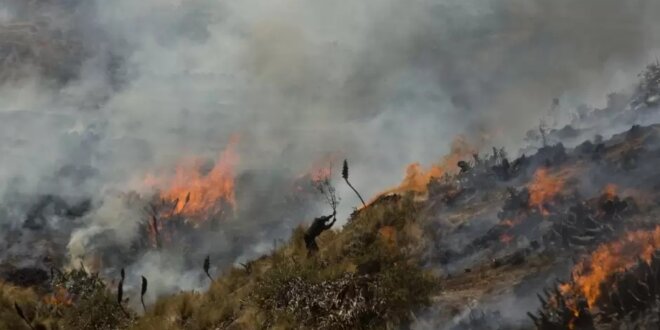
(136, 86)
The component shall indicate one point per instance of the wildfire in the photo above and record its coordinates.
(610, 191)
(388, 234)
(543, 189)
(506, 238)
(196, 195)
(509, 222)
(417, 178)
(321, 169)
(61, 297)
(321, 174)
(611, 258)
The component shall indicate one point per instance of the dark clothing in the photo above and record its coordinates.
(318, 226)
(464, 166)
(310, 243)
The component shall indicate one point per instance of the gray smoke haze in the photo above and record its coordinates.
(384, 83)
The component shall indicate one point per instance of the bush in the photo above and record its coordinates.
(363, 277)
(295, 295)
(96, 310)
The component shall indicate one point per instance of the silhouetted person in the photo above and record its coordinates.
(319, 225)
(464, 166)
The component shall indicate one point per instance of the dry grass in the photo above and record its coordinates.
(96, 308)
(27, 299)
(374, 255)
(365, 276)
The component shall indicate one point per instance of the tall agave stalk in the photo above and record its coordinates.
(144, 290)
(344, 174)
(207, 265)
(120, 293)
(20, 313)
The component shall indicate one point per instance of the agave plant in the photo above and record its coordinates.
(344, 174)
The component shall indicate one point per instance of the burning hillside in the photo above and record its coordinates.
(417, 166)
(498, 227)
(194, 195)
(543, 189)
(577, 225)
(417, 178)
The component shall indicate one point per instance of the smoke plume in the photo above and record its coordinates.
(99, 93)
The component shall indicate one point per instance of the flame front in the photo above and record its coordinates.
(611, 258)
(610, 191)
(321, 169)
(198, 196)
(543, 189)
(417, 178)
(506, 238)
(320, 174)
(60, 297)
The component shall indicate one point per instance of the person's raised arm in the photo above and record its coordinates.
(328, 226)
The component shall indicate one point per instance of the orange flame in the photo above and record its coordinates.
(320, 174)
(543, 189)
(388, 234)
(610, 191)
(506, 238)
(321, 169)
(611, 258)
(196, 195)
(417, 178)
(61, 297)
(509, 222)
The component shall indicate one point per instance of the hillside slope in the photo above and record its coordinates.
(480, 241)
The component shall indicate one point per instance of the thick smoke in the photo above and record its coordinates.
(384, 83)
